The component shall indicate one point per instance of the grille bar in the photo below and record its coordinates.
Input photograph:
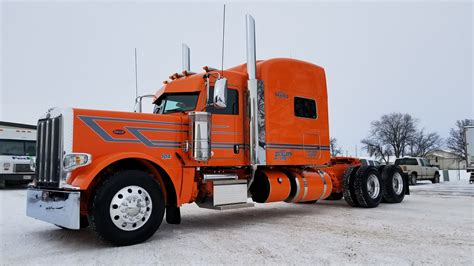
(49, 150)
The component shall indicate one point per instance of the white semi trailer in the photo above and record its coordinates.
(17, 149)
(469, 134)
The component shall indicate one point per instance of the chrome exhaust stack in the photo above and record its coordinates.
(186, 58)
(251, 50)
(256, 101)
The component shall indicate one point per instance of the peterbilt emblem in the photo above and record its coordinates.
(281, 95)
(118, 131)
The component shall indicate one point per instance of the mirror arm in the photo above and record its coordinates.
(138, 102)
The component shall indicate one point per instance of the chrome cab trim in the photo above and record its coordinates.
(58, 207)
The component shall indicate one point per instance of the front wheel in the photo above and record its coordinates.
(127, 208)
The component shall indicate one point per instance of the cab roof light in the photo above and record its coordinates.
(173, 76)
(209, 69)
(176, 76)
(188, 73)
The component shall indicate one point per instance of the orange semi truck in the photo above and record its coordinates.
(217, 138)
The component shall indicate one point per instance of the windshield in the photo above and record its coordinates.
(406, 161)
(17, 147)
(176, 102)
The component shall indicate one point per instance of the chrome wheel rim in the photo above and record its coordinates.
(397, 183)
(373, 186)
(130, 208)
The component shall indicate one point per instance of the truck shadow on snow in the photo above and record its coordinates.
(202, 221)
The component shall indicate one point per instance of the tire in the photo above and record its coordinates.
(413, 179)
(368, 187)
(435, 179)
(381, 168)
(348, 187)
(335, 196)
(393, 185)
(112, 218)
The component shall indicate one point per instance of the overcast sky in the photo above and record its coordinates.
(379, 57)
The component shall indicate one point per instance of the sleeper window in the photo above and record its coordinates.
(305, 108)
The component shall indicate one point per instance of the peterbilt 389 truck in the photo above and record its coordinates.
(223, 139)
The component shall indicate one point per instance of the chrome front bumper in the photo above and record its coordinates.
(61, 208)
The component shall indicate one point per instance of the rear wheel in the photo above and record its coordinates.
(393, 186)
(413, 179)
(367, 187)
(348, 186)
(128, 208)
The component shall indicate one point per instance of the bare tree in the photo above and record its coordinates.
(377, 149)
(390, 135)
(335, 150)
(422, 143)
(456, 141)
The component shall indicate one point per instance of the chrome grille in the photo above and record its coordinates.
(49, 151)
(21, 168)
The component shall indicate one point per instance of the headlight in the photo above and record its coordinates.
(75, 160)
(6, 166)
(33, 164)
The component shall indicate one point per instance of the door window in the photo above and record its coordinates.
(232, 103)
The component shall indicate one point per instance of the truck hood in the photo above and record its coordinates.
(105, 132)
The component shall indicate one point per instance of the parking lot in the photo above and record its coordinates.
(434, 225)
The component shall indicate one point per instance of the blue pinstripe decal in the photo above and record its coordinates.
(90, 121)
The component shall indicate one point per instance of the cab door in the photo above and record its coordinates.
(424, 168)
(429, 170)
(227, 130)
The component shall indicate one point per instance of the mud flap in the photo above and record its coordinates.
(173, 215)
(406, 184)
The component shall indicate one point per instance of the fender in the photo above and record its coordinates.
(84, 177)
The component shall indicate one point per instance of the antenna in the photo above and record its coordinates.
(223, 38)
(136, 71)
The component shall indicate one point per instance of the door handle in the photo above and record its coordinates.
(236, 149)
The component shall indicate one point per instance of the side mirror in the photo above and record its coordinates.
(220, 93)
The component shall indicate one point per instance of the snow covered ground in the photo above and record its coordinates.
(434, 225)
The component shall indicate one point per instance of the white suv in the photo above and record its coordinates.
(418, 169)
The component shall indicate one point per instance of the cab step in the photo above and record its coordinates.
(226, 206)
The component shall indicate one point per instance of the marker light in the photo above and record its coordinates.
(75, 160)
(33, 164)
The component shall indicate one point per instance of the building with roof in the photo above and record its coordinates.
(445, 160)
